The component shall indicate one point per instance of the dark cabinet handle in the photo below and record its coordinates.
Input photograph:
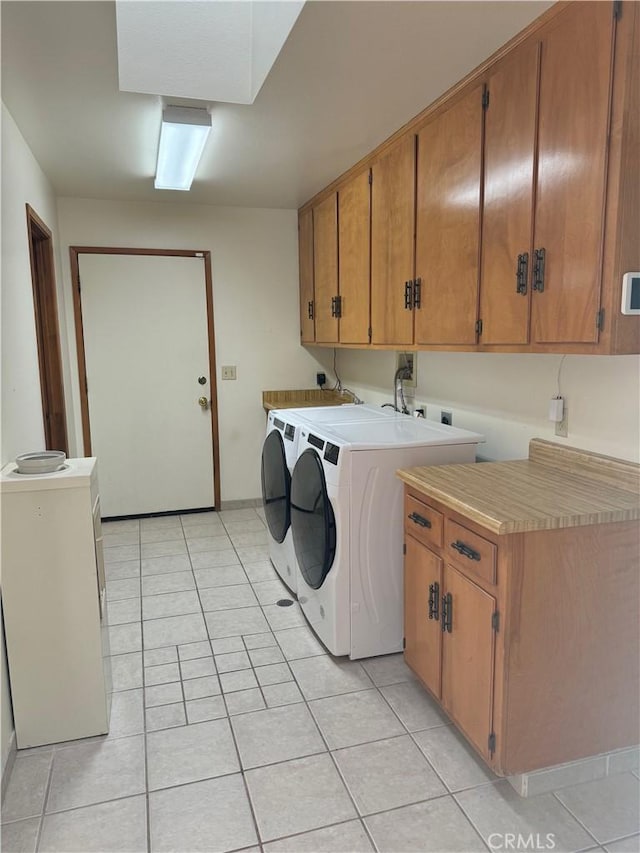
(419, 519)
(310, 309)
(538, 269)
(434, 601)
(408, 295)
(465, 550)
(522, 272)
(446, 621)
(417, 293)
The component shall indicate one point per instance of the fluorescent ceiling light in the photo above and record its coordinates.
(183, 136)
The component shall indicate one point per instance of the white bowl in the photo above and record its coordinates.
(41, 462)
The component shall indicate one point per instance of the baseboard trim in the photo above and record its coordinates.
(574, 772)
(249, 503)
(8, 765)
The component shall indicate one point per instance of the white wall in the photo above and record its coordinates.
(22, 427)
(506, 397)
(255, 287)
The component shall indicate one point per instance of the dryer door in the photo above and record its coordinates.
(312, 520)
(276, 486)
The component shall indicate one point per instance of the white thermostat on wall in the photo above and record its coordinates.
(631, 293)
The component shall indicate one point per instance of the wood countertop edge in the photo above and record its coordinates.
(503, 526)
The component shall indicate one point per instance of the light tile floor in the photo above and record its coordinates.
(232, 729)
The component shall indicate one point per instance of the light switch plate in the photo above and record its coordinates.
(229, 371)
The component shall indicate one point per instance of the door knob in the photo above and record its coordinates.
(203, 402)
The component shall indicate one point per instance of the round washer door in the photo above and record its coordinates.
(276, 486)
(312, 520)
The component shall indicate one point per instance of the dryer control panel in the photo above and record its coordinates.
(331, 453)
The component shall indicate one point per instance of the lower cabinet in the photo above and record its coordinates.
(450, 639)
(423, 636)
(507, 633)
(468, 649)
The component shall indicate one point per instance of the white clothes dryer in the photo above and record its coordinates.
(347, 525)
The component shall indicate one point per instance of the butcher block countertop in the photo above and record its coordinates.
(302, 399)
(555, 487)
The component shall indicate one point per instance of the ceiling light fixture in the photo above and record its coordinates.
(183, 136)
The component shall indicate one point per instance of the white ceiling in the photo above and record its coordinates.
(349, 75)
(211, 51)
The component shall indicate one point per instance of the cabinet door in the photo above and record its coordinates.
(305, 258)
(325, 268)
(448, 223)
(468, 656)
(575, 82)
(392, 243)
(423, 635)
(509, 149)
(354, 224)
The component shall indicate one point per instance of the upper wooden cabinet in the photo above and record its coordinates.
(509, 160)
(354, 217)
(449, 178)
(305, 257)
(575, 97)
(325, 269)
(507, 228)
(392, 230)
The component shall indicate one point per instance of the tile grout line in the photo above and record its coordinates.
(144, 708)
(208, 639)
(576, 818)
(233, 734)
(44, 803)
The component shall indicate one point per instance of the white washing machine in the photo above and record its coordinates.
(347, 525)
(279, 454)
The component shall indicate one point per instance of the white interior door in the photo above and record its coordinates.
(146, 346)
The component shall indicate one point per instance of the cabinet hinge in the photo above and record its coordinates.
(600, 320)
(617, 9)
(370, 177)
(404, 642)
(370, 332)
(492, 743)
(404, 548)
(86, 385)
(495, 621)
(485, 98)
(478, 327)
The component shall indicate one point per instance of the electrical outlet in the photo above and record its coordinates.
(562, 427)
(229, 372)
(407, 360)
(446, 418)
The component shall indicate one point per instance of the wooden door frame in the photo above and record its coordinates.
(74, 253)
(45, 308)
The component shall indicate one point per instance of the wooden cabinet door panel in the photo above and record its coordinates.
(392, 243)
(305, 258)
(325, 267)
(468, 658)
(575, 83)
(354, 223)
(509, 150)
(448, 223)
(423, 636)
